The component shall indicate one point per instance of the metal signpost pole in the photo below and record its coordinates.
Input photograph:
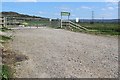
(68, 21)
(61, 20)
(92, 17)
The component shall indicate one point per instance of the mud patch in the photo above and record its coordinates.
(10, 57)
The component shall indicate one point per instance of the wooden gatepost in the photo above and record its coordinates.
(3, 22)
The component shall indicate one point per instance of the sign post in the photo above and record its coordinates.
(61, 21)
(64, 14)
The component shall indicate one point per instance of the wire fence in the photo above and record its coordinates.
(15, 22)
(44, 23)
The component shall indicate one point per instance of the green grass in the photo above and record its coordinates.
(4, 29)
(5, 38)
(53, 24)
(36, 23)
(102, 28)
(5, 72)
(96, 28)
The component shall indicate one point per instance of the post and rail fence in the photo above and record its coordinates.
(2, 22)
(70, 24)
(8, 22)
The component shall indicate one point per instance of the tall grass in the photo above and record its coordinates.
(5, 72)
(102, 28)
(5, 69)
(4, 29)
(38, 23)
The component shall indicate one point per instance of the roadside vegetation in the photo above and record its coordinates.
(5, 72)
(37, 23)
(102, 28)
(96, 28)
(111, 29)
(4, 29)
(5, 69)
(9, 57)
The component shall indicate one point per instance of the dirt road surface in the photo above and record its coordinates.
(57, 53)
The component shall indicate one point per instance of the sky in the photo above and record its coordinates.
(60, 0)
(81, 10)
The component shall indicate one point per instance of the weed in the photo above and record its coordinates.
(5, 38)
(3, 29)
(100, 28)
(5, 72)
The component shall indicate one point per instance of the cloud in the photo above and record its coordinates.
(103, 9)
(40, 12)
(111, 0)
(73, 15)
(105, 15)
(110, 8)
(64, 8)
(26, 0)
(85, 7)
(57, 14)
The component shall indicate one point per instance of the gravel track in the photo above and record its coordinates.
(57, 53)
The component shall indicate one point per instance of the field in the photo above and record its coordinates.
(96, 28)
(102, 28)
(37, 23)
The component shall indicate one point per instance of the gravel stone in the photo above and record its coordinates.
(57, 53)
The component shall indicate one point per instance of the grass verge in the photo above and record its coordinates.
(111, 29)
(5, 72)
(102, 28)
(4, 38)
(4, 29)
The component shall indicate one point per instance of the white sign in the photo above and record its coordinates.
(77, 20)
(50, 19)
